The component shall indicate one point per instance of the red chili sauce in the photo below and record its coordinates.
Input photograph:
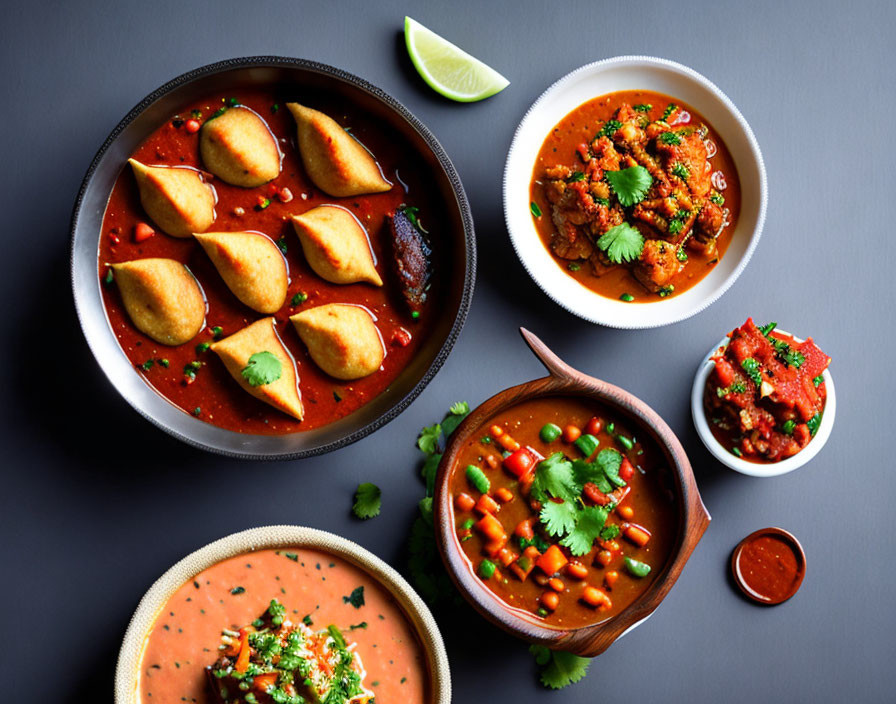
(214, 396)
(768, 568)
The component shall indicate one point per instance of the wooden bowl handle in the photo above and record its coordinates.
(556, 367)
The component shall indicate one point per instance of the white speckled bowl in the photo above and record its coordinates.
(127, 673)
(608, 76)
(755, 469)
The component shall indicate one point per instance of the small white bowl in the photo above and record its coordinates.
(755, 469)
(609, 76)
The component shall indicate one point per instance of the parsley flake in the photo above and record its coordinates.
(356, 598)
(680, 170)
(670, 138)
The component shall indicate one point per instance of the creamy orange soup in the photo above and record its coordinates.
(187, 632)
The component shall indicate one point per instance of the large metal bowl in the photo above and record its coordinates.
(458, 261)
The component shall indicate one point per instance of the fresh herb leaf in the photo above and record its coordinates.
(281, 243)
(813, 423)
(237, 590)
(788, 427)
(602, 201)
(666, 290)
(428, 441)
(643, 107)
(717, 198)
(818, 381)
(263, 368)
(558, 518)
(736, 388)
(630, 185)
(622, 243)
(670, 138)
(299, 298)
(573, 266)
(576, 176)
(610, 532)
(368, 498)
(412, 213)
(767, 329)
(589, 523)
(680, 254)
(751, 367)
(277, 612)
(554, 477)
(676, 226)
(788, 355)
(147, 365)
(356, 598)
(536, 211)
(681, 171)
(559, 669)
(461, 408)
(609, 128)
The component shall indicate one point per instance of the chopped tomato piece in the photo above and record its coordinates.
(486, 505)
(520, 463)
(490, 527)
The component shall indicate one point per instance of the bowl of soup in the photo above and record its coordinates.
(271, 257)
(277, 614)
(634, 192)
(566, 509)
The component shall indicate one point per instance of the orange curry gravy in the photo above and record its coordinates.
(579, 127)
(218, 398)
(235, 592)
(768, 567)
(649, 504)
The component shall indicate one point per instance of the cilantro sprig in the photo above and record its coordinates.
(630, 185)
(263, 368)
(368, 499)
(559, 669)
(622, 243)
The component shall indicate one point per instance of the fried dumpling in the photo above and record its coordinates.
(162, 299)
(257, 359)
(177, 198)
(238, 148)
(342, 339)
(336, 162)
(336, 245)
(251, 265)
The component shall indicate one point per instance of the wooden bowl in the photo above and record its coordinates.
(693, 518)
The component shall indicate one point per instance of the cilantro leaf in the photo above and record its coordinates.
(610, 532)
(263, 368)
(813, 424)
(559, 669)
(430, 467)
(429, 438)
(622, 243)
(456, 414)
(670, 138)
(751, 367)
(630, 185)
(610, 461)
(558, 518)
(590, 521)
(585, 472)
(554, 477)
(461, 408)
(356, 598)
(368, 498)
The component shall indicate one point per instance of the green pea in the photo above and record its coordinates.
(549, 432)
(487, 569)
(627, 297)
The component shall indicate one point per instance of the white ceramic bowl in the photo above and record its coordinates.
(127, 671)
(755, 469)
(608, 76)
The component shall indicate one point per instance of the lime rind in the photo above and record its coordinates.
(448, 69)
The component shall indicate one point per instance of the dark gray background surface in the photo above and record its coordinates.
(96, 503)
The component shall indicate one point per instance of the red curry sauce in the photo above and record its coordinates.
(644, 517)
(768, 567)
(185, 638)
(214, 396)
(562, 146)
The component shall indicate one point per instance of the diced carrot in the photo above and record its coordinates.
(508, 443)
(520, 462)
(492, 461)
(504, 495)
(490, 527)
(552, 561)
(496, 431)
(611, 545)
(571, 433)
(464, 502)
(638, 535)
(526, 483)
(524, 529)
(556, 584)
(264, 681)
(610, 578)
(486, 504)
(576, 570)
(242, 661)
(550, 600)
(493, 547)
(596, 598)
(626, 512)
(604, 557)
(506, 556)
(626, 470)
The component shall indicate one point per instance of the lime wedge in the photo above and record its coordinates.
(447, 69)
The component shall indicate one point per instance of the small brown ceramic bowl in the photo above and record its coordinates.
(693, 519)
(781, 592)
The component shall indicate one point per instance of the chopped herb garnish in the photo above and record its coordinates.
(573, 266)
(627, 297)
(813, 424)
(622, 243)
(576, 176)
(411, 213)
(603, 201)
(669, 138)
(197, 411)
(281, 243)
(415, 315)
(261, 205)
(818, 381)
(356, 598)
(196, 114)
(368, 499)
(609, 128)
(736, 452)
(237, 590)
(147, 365)
(643, 107)
(630, 185)
(667, 113)
(263, 368)
(751, 367)
(275, 107)
(218, 113)
(675, 226)
(536, 211)
(109, 277)
(299, 298)
(680, 254)
(681, 171)
(202, 347)
(232, 102)
(666, 291)
(717, 198)
(788, 427)
(217, 331)
(165, 363)
(767, 329)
